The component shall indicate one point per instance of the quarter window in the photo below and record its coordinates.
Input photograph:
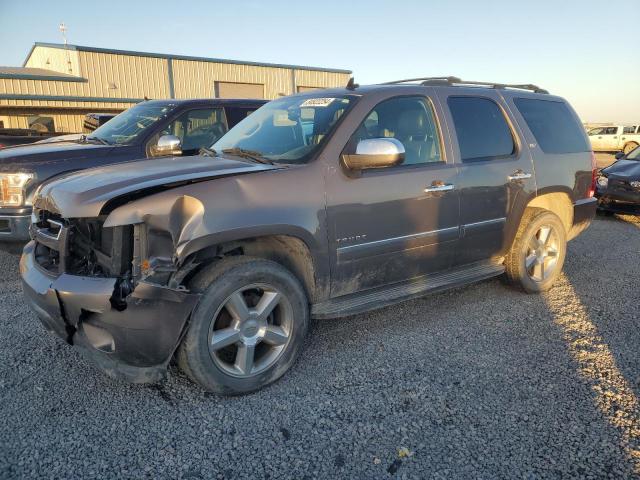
(553, 125)
(481, 128)
(408, 119)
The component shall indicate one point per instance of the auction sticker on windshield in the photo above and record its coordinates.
(317, 102)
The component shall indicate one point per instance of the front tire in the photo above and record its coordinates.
(248, 328)
(537, 254)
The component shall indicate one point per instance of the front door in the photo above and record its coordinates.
(496, 171)
(392, 224)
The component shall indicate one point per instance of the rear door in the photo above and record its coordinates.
(496, 170)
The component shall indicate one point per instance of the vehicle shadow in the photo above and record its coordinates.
(605, 354)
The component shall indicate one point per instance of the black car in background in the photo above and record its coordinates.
(155, 128)
(618, 188)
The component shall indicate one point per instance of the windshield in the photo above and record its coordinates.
(633, 154)
(123, 129)
(288, 130)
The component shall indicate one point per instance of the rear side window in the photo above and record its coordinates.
(554, 126)
(481, 128)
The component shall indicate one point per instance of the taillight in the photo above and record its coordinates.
(594, 175)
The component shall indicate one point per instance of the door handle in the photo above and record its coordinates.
(518, 175)
(439, 186)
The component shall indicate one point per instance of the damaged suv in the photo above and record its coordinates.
(320, 205)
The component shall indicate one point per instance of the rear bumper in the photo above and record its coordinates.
(583, 213)
(135, 344)
(14, 228)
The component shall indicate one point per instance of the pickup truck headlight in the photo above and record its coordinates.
(12, 188)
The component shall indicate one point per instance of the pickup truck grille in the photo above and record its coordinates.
(81, 246)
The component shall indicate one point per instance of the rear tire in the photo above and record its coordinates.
(629, 147)
(537, 254)
(248, 327)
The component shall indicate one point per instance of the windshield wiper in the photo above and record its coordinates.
(207, 152)
(97, 139)
(250, 154)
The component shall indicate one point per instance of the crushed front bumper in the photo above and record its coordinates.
(135, 344)
(619, 201)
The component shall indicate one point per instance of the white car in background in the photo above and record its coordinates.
(615, 138)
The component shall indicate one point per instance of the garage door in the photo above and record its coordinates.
(239, 90)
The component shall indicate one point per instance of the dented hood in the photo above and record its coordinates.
(627, 170)
(83, 194)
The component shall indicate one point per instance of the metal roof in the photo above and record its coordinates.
(24, 73)
(180, 57)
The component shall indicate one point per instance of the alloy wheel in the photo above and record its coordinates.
(542, 253)
(250, 330)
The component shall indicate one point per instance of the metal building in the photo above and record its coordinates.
(58, 84)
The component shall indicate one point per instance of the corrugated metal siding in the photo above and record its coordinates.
(58, 60)
(137, 76)
(196, 79)
(134, 77)
(67, 121)
(315, 78)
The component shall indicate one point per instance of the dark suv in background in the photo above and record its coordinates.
(150, 129)
(318, 205)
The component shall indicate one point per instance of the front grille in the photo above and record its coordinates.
(81, 246)
(621, 185)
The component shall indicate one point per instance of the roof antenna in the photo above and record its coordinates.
(63, 30)
(352, 85)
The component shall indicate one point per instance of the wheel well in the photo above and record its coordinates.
(558, 203)
(290, 252)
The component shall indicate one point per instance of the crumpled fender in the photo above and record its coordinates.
(180, 215)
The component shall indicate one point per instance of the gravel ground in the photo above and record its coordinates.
(481, 382)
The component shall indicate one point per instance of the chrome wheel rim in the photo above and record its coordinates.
(542, 253)
(250, 330)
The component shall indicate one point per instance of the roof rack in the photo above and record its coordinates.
(449, 81)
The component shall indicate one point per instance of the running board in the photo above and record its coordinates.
(375, 298)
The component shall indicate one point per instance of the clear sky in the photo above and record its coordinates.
(584, 50)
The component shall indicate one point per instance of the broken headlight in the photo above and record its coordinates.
(603, 182)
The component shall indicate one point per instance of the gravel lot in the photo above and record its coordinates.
(481, 382)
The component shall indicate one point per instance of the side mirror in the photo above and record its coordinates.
(167, 145)
(375, 153)
(619, 155)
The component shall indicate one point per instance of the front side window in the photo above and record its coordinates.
(408, 119)
(125, 128)
(481, 128)
(288, 130)
(198, 128)
(553, 125)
